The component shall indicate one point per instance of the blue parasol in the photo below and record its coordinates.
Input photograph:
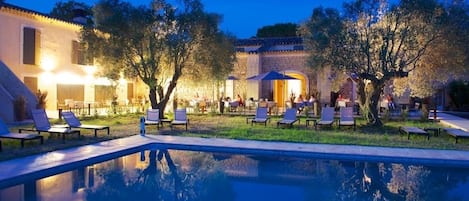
(271, 75)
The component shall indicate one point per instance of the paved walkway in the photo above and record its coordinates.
(453, 121)
(17, 170)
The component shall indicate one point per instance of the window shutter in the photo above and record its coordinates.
(31, 46)
(75, 52)
(37, 47)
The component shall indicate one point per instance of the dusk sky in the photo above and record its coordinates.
(240, 17)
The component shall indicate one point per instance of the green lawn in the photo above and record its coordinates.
(235, 127)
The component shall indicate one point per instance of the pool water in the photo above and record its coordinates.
(167, 174)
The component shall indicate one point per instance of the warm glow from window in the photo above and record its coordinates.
(122, 79)
(90, 70)
(48, 63)
(102, 81)
(47, 76)
(294, 86)
(68, 78)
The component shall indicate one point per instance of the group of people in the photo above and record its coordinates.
(238, 99)
(300, 102)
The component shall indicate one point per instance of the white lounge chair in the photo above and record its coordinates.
(327, 117)
(261, 116)
(42, 124)
(413, 130)
(346, 117)
(457, 133)
(180, 118)
(153, 118)
(5, 133)
(74, 122)
(289, 118)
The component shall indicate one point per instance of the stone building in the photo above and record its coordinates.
(285, 55)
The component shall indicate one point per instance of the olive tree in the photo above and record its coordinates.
(156, 44)
(373, 43)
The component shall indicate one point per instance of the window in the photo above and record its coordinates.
(78, 54)
(70, 91)
(31, 44)
(31, 83)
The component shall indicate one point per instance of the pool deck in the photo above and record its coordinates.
(16, 170)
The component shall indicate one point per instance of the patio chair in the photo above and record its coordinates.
(289, 118)
(42, 124)
(346, 117)
(153, 118)
(74, 122)
(5, 133)
(180, 118)
(261, 116)
(327, 117)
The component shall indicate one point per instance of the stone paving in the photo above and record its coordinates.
(16, 170)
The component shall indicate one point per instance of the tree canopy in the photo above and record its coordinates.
(69, 10)
(374, 43)
(278, 30)
(445, 60)
(157, 44)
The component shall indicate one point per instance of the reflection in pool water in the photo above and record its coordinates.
(192, 175)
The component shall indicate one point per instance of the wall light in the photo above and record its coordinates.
(90, 70)
(48, 63)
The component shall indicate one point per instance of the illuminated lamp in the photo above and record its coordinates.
(48, 63)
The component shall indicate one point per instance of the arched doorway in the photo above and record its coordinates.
(283, 89)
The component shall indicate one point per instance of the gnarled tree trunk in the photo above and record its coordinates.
(369, 94)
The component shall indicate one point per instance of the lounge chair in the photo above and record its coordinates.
(180, 118)
(346, 117)
(153, 118)
(327, 117)
(74, 122)
(261, 116)
(413, 130)
(42, 124)
(289, 118)
(5, 133)
(457, 133)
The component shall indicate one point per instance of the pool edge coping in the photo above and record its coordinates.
(61, 160)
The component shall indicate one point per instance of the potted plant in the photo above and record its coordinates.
(41, 99)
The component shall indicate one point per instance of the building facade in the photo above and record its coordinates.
(44, 53)
(285, 55)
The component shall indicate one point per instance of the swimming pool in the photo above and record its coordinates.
(165, 173)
